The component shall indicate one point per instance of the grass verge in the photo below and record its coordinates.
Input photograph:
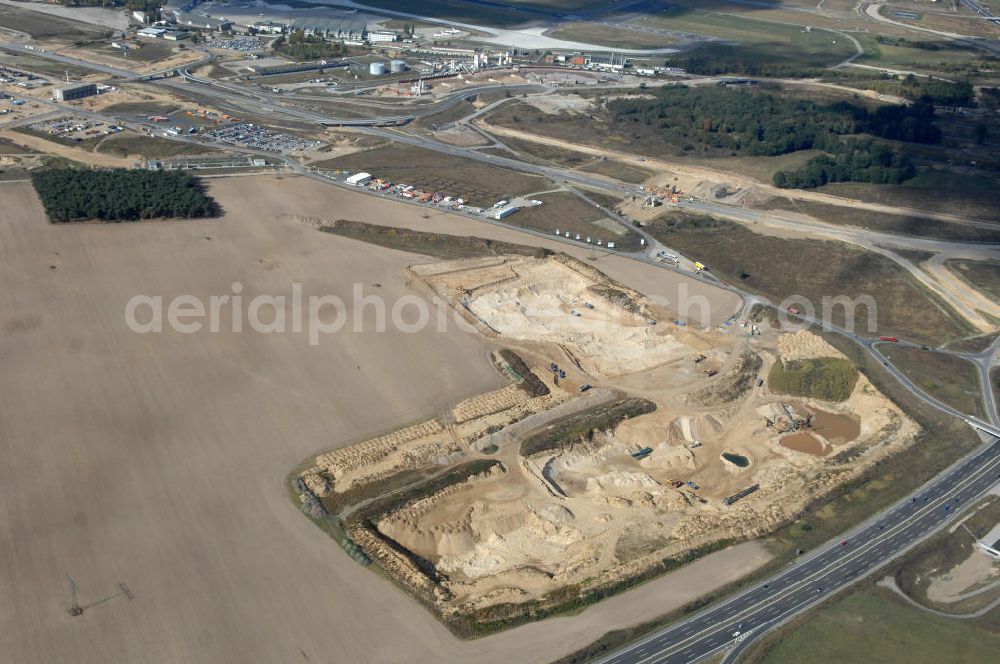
(438, 245)
(778, 268)
(947, 378)
(476, 182)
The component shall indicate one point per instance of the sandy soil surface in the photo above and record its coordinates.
(76, 154)
(160, 460)
(116, 19)
(973, 574)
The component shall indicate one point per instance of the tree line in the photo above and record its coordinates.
(850, 161)
(71, 194)
(301, 46)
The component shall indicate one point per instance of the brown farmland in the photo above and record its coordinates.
(160, 460)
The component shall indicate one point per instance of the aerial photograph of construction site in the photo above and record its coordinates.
(542, 331)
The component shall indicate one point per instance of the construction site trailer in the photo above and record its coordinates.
(506, 211)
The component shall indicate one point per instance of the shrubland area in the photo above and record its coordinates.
(778, 268)
(827, 378)
(71, 194)
(949, 379)
(856, 144)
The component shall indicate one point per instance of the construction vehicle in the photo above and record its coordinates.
(699, 267)
(794, 421)
(585, 387)
(74, 604)
(701, 358)
(642, 453)
(692, 485)
(741, 494)
(711, 372)
(694, 444)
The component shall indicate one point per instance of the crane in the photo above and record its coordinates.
(74, 605)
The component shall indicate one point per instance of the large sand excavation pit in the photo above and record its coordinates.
(606, 329)
(528, 499)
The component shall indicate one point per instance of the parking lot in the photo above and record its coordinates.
(75, 128)
(243, 44)
(249, 135)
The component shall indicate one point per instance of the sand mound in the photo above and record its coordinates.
(619, 482)
(803, 345)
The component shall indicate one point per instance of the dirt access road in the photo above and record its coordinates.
(160, 460)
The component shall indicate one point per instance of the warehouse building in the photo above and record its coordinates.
(382, 36)
(359, 179)
(197, 22)
(75, 92)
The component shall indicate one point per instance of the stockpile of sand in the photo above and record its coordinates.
(414, 446)
(489, 403)
(538, 539)
(804, 345)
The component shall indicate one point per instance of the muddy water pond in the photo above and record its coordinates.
(803, 441)
(836, 427)
(737, 460)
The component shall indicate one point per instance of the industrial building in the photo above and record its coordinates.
(269, 28)
(359, 179)
(202, 22)
(382, 36)
(152, 33)
(75, 92)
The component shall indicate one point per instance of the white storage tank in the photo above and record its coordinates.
(397, 66)
(376, 69)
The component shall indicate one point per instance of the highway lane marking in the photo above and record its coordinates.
(923, 510)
